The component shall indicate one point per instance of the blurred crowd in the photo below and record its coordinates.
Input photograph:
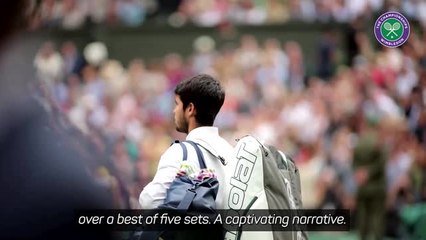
(125, 111)
(73, 14)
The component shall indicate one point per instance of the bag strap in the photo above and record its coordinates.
(185, 151)
(190, 193)
(200, 155)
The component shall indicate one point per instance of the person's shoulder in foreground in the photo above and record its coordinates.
(197, 102)
(43, 180)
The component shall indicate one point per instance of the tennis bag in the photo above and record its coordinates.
(189, 197)
(261, 177)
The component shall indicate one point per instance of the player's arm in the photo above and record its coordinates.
(154, 192)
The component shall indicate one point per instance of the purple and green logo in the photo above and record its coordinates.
(392, 29)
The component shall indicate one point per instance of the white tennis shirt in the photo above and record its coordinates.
(212, 146)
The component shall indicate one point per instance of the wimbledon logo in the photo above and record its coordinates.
(392, 29)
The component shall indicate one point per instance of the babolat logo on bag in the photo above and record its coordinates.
(242, 174)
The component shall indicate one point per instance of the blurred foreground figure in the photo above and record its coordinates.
(43, 178)
(369, 165)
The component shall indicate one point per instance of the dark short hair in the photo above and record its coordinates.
(205, 93)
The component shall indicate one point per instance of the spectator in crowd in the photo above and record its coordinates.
(417, 175)
(49, 64)
(327, 55)
(296, 69)
(130, 12)
(369, 161)
(73, 61)
(74, 14)
(94, 86)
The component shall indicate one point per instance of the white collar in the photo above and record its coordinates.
(202, 133)
(199, 135)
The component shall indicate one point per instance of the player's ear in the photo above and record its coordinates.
(191, 109)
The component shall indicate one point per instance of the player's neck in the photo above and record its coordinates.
(192, 125)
